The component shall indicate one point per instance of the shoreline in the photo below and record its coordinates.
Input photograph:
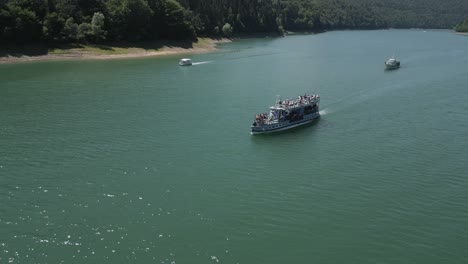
(106, 52)
(126, 50)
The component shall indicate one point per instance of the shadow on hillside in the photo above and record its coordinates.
(39, 49)
(23, 50)
(149, 45)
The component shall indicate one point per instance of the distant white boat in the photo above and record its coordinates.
(185, 62)
(392, 63)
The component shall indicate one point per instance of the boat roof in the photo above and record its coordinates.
(393, 58)
(186, 59)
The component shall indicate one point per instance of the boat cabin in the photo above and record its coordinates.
(185, 62)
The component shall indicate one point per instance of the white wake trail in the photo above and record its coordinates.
(202, 62)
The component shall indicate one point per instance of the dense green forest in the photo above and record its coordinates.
(94, 21)
(462, 26)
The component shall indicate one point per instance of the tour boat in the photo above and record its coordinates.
(392, 63)
(185, 62)
(286, 114)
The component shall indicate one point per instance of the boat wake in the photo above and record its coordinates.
(202, 62)
(250, 56)
(347, 101)
(324, 112)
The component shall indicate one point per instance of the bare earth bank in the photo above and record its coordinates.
(100, 52)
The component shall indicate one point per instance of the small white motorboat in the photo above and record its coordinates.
(392, 64)
(185, 62)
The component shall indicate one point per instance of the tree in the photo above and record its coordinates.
(66, 8)
(5, 24)
(25, 25)
(35, 20)
(97, 27)
(129, 19)
(462, 26)
(85, 32)
(176, 21)
(227, 30)
(216, 30)
(70, 30)
(53, 26)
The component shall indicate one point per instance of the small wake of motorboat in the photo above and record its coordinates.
(250, 56)
(202, 62)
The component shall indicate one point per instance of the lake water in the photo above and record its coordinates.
(143, 161)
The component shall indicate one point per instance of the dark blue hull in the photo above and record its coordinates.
(270, 128)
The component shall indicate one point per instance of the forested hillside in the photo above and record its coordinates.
(134, 20)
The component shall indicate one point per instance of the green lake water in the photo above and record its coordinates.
(144, 161)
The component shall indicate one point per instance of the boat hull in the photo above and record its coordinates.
(392, 67)
(271, 128)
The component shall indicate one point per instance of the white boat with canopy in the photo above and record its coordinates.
(185, 62)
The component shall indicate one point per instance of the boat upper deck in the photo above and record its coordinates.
(301, 101)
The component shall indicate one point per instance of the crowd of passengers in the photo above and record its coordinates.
(261, 119)
(300, 100)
